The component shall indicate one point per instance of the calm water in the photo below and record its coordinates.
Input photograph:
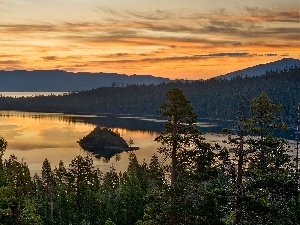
(35, 136)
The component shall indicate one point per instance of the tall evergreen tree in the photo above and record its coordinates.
(179, 129)
(49, 186)
(3, 146)
(269, 185)
(18, 188)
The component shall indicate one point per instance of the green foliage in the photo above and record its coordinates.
(3, 146)
(29, 215)
(16, 191)
(180, 129)
(263, 116)
(109, 222)
(264, 182)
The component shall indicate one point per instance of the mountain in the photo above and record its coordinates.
(62, 81)
(261, 69)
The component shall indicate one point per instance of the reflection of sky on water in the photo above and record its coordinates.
(205, 124)
(153, 120)
(36, 136)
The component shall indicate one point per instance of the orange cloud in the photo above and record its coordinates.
(160, 42)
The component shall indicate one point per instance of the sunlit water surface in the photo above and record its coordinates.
(34, 136)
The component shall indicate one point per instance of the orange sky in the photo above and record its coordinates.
(188, 39)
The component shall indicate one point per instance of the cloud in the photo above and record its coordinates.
(50, 58)
(263, 14)
(27, 28)
(130, 38)
(270, 54)
(10, 62)
(163, 24)
(8, 55)
(229, 54)
(180, 58)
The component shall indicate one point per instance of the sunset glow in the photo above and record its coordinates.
(176, 39)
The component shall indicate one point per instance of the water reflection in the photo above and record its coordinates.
(36, 136)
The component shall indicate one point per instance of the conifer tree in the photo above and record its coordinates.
(269, 183)
(179, 132)
(179, 129)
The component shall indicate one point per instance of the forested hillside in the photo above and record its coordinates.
(210, 99)
(260, 69)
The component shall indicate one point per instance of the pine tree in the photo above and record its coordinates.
(268, 179)
(179, 129)
(179, 132)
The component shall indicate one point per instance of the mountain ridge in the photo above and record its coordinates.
(60, 80)
(64, 81)
(260, 69)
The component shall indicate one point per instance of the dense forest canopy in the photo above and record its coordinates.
(214, 98)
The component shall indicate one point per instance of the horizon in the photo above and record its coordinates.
(176, 40)
(129, 75)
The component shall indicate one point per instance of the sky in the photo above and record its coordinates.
(178, 39)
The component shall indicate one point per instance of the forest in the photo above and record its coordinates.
(214, 98)
(251, 178)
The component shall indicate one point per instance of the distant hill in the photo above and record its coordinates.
(62, 81)
(261, 69)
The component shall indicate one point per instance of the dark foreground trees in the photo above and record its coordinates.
(253, 180)
(264, 174)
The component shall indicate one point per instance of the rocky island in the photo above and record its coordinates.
(104, 142)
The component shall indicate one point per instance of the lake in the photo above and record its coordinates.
(34, 136)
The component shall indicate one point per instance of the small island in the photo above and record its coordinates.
(104, 142)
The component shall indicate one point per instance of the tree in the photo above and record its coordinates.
(264, 121)
(130, 142)
(270, 187)
(18, 187)
(179, 132)
(48, 185)
(83, 181)
(63, 207)
(297, 160)
(260, 167)
(179, 129)
(3, 146)
(238, 141)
